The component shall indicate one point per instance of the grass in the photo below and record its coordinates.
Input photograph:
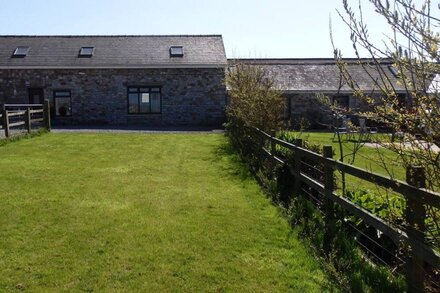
(367, 157)
(383, 202)
(132, 212)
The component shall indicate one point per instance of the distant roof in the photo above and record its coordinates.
(117, 51)
(319, 74)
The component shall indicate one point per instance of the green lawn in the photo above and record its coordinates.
(132, 212)
(383, 202)
(367, 157)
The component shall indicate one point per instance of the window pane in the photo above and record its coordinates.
(62, 106)
(144, 100)
(86, 51)
(176, 51)
(133, 106)
(155, 102)
(21, 51)
(145, 103)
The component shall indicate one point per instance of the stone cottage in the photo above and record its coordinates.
(301, 80)
(155, 80)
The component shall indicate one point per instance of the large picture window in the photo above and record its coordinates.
(144, 100)
(63, 103)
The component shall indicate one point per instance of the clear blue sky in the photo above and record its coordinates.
(251, 28)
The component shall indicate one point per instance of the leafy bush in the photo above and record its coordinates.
(253, 100)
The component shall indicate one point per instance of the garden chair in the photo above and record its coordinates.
(345, 129)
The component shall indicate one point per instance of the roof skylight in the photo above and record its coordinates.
(20, 52)
(394, 71)
(176, 51)
(86, 51)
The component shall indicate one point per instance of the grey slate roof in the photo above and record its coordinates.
(113, 51)
(317, 75)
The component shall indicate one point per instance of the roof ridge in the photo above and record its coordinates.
(105, 36)
(299, 61)
(300, 58)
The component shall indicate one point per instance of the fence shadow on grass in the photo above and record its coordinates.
(238, 168)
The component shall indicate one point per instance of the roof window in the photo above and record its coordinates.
(176, 51)
(394, 70)
(20, 52)
(86, 51)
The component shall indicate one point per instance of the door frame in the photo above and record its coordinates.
(34, 91)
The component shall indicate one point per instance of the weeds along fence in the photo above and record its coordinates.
(404, 242)
(19, 118)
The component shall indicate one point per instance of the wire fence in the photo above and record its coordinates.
(393, 222)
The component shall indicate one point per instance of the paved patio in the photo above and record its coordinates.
(422, 144)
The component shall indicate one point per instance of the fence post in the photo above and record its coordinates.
(297, 168)
(415, 215)
(28, 119)
(4, 118)
(46, 114)
(272, 143)
(5, 121)
(329, 206)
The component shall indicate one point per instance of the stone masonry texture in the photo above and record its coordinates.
(99, 96)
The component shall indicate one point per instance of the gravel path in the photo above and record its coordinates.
(422, 145)
(137, 129)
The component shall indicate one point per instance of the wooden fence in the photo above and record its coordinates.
(15, 116)
(418, 199)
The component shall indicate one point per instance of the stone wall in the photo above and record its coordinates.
(305, 106)
(189, 96)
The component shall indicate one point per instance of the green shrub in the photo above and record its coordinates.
(253, 102)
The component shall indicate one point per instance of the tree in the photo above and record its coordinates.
(413, 49)
(253, 99)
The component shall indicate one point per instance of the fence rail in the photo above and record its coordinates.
(15, 115)
(416, 195)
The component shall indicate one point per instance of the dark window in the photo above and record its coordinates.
(341, 101)
(20, 52)
(144, 100)
(36, 96)
(63, 103)
(176, 51)
(86, 51)
(401, 100)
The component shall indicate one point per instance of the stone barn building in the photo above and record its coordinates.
(161, 80)
(154, 80)
(301, 80)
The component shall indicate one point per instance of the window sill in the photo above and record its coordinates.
(143, 114)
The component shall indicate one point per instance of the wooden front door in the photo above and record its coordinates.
(36, 96)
